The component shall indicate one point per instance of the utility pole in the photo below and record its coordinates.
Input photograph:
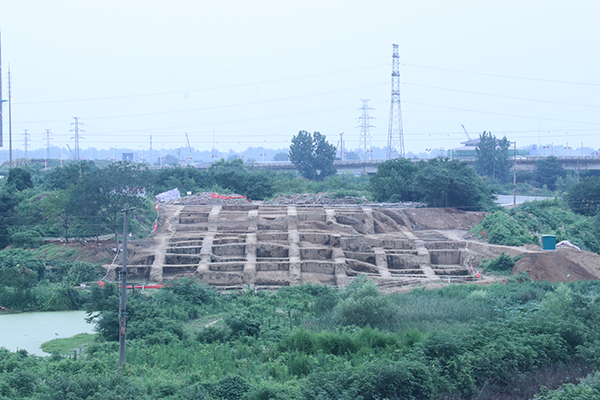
(10, 162)
(515, 174)
(123, 303)
(395, 145)
(342, 146)
(47, 148)
(26, 141)
(364, 123)
(76, 130)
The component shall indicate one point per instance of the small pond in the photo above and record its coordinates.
(29, 330)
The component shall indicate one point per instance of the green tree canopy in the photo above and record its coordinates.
(280, 157)
(394, 179)
(584, 198)
(547, 170)
(450, 183)
(493, 157)
(312, 155)
(19, 178)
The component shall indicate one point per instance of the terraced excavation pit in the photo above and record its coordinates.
(368, 258)
(268, 250)
(223, 239)
(320, 239)
(232, 245)
(360, 266)
(315, 253)
(171, 272)
(179, 259)
(226, 266)
(401, 244)
(273, 237)
(277, 224)
(239, 207)
(193, 217)
(445, 257)
(403, 261)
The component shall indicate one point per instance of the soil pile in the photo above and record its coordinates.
(314, 199)
(435, 218)
(213, 199)
(559, 266)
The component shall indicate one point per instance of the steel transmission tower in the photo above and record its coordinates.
(76, 130)
(395, 146)
(364, 123)
(26, 141)
(47, 148)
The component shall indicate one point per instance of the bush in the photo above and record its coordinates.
(365, 305)
(503, 263)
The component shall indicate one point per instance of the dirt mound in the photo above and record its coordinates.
(556, 266)
(214, 199)
(435, 218)
(315, 199)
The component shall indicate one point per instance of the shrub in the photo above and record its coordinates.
(502, 264)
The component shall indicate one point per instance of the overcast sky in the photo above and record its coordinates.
(254, 73)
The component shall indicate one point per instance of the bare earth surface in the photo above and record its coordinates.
(232, 243)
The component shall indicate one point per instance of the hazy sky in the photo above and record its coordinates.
(254, 73)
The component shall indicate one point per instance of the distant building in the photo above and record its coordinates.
(468, 150)
(127, 157)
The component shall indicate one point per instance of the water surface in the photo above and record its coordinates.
(29, 330)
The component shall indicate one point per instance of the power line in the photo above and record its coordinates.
(503, 76)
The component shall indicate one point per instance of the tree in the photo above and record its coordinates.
(19, 178)
(312, 155)
(65, 176)
(352, 155)
(493, 157)
(584, 198)
(59, 211)
(451, 183)
(547, 170)
(280, 157)
(393, 180)
(8, 216)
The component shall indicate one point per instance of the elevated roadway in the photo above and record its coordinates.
(370, 167)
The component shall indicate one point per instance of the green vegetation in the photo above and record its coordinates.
(524, 223)
(187, 341)
(67, 346)
(312, 155)
(504, 263)
(584, 197)
(437, 182)
(493, 157)
(28, 283)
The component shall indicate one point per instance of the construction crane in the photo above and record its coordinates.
(189, 157)
(72, 154)
(466, 133)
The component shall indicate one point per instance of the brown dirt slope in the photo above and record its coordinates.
(564, 265)
(441, 218)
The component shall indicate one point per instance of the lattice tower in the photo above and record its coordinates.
(76, 131)
(364, 123)
(395, 146)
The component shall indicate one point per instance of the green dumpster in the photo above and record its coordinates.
(548, 242)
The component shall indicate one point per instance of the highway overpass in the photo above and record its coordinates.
(370, 167)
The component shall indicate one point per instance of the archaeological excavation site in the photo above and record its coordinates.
(231, 246)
